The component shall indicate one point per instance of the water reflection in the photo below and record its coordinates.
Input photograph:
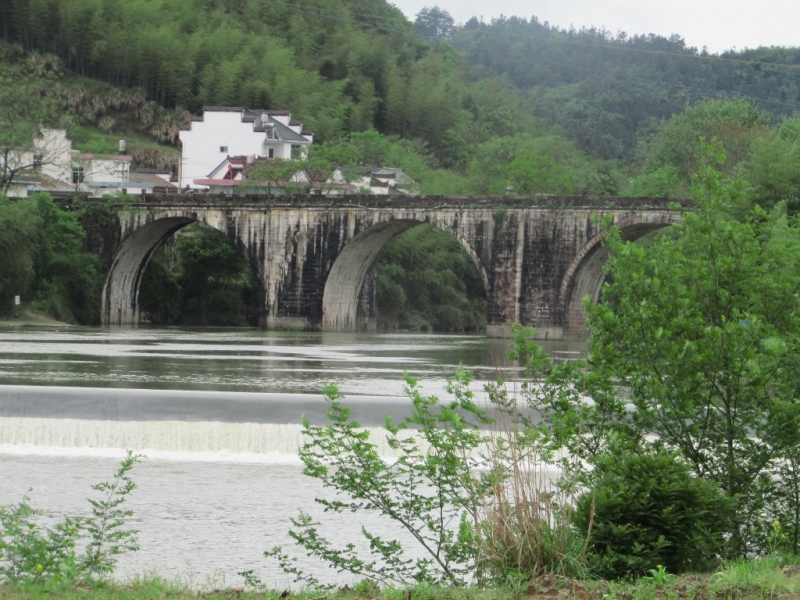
(247, 360)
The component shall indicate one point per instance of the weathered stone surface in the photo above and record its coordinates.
(538, 257)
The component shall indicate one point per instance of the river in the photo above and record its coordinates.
(216, 414)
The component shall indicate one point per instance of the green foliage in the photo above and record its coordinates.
(703, 329)
(649, 511)
(426, 280)
(32, 553)
(476, 501)
(434, 23)
(200, 279)
(693, 351)
(67, 281)
(45, 263)
(664, 182)
(160, 294)
(326, 168)
(607, 92)
(774, 168)
(23, 110)
(431, 489)
(735, 125)
(19, 238)
(107, 528)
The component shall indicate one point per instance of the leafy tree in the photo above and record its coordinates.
(433, 489)
(426, 280)
(21, 115)
(19, 240)
(664, 182)
(327, 168)
(533, 173)
(160, 294)
(735, 125)
(218, 284)
(774, 168)
(701, 329)
(68, 281)
(434, 23)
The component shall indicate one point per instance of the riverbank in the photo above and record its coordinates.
(30, 318)
(772, 579)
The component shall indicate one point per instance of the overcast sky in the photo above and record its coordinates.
(718, 24)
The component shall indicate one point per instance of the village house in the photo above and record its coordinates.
(230, 133)
(52, 166)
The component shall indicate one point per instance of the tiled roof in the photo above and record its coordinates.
(146, 178)
(37, 182)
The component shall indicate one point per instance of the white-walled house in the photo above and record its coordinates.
(100, 173)
(233, 131)
(388, 181)
(45, 166)
(51, 165)
(150, 181)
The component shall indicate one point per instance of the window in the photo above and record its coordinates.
(272, 152)
(38, 159)
(78, 174)
(223, 149)
(296, 151)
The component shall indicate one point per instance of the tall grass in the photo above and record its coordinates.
(527, 521)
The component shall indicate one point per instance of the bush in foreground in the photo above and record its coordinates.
(77, 548)
(646, 510)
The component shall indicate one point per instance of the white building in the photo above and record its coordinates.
(51, 165)
(229, 131)
(100, 173)
(42, 167)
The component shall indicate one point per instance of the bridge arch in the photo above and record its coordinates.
(342, 290)
(120, 300)
(585, 276)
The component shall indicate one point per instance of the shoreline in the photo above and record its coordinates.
(29, 318)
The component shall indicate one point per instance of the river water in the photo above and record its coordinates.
(216, 414)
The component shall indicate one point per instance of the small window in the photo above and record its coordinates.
(296, 151)
(272, 152)
(223, 149)
(78, 174)
(38, 159)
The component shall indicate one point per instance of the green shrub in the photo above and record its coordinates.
(33, 553)
(650, 510)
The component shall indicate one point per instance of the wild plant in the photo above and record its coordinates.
(35, 553)
(434, 489)
(30, 553)
(473, 500)
(527, 520)
(106, 528)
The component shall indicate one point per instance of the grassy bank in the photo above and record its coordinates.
(30, 318)
(764, 579)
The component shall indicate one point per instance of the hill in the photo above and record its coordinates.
(609, 92)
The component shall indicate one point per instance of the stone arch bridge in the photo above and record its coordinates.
(538, 256)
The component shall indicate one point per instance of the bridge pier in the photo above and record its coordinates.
(314, 256)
